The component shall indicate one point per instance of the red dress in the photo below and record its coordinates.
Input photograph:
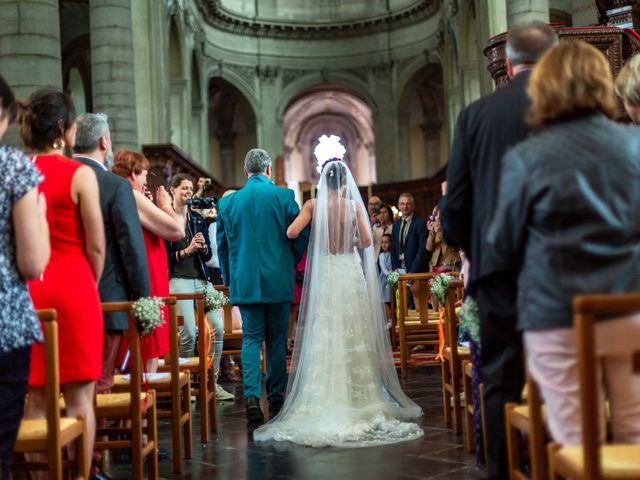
(67, 284)
(156, 344)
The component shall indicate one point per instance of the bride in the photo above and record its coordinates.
(343, 389)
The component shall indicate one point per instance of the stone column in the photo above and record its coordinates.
(112, 69)
(524, 11)
(269, 126)
(29, 48)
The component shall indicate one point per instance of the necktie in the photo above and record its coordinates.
(403, 235)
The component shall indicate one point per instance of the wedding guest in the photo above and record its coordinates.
(484, 131)
(188, 273)
(298, 282)
(409, 235)
(628, 87)
(24, 253)
(373, 207)
(444, 258)
(68, 284)
(158, 223)
(125, 275)
(383, 226)
(581, 235)
(384, 264)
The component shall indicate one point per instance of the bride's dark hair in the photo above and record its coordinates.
(336, 173)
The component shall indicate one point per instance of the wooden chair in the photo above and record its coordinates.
(176, 386)
(468, 411)
(419, 327)
(593, 460)
(453, 356)
(53, 434)
(393, 328)
(132, 406)
(527, 419)
(202, 366)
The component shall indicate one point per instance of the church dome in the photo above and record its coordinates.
(315, 11)
(303, 18)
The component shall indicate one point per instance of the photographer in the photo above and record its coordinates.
(188, 272)
(443, 257)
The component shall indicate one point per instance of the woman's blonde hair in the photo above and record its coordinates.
(571, 79)
(628, 82)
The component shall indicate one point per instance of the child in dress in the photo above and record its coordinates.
(384, 264)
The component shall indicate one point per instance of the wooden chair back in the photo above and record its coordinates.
(53, 433)
(421, 292)
(585, 309)
(52, 390)
(135, 382)
(205, 389)
(455, 293)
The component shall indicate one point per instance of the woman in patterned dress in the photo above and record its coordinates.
(24, 253)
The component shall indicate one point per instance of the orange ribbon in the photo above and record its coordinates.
(441, 336)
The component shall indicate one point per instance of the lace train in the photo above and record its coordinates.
(338, 396)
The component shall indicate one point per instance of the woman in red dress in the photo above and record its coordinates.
(69, 283)
(158, 223)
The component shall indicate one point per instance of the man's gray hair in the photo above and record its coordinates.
(528, 42)
(91, 126)
(256, 161)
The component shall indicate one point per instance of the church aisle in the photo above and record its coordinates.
(231, 454)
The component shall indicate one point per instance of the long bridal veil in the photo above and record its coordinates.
(343, 388)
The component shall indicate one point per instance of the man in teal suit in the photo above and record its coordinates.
(257, 262)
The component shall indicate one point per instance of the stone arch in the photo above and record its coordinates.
(306, 82)
(76, 72)
(247, 90)
(422, 121)
(329, 109)
(232, 129)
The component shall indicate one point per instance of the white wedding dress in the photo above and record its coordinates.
(343, 389)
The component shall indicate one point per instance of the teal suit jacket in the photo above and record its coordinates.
(256, 257)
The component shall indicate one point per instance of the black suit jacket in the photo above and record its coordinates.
(126, 275)
(416, 257)
(485, 130)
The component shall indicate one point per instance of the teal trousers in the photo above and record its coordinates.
(265, 322)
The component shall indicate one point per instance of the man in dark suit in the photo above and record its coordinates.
(484, 131)
(409, 235)
(126, 275)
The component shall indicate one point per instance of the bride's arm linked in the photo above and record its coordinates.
(364, 228)
(302, 220)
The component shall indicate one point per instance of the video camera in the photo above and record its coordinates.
(201, 203)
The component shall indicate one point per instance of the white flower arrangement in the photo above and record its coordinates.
(470, 319)
(214, 299)
(149, 314)
(440, 286)
(392, 279)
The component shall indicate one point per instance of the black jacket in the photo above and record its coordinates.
(416, 257)
(195, 224)
(485, 130)
(126, 274)
(568, 217)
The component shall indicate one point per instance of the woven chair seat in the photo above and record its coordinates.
(36, 430)
(618, 461)
(159, 382)
(463, 353)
